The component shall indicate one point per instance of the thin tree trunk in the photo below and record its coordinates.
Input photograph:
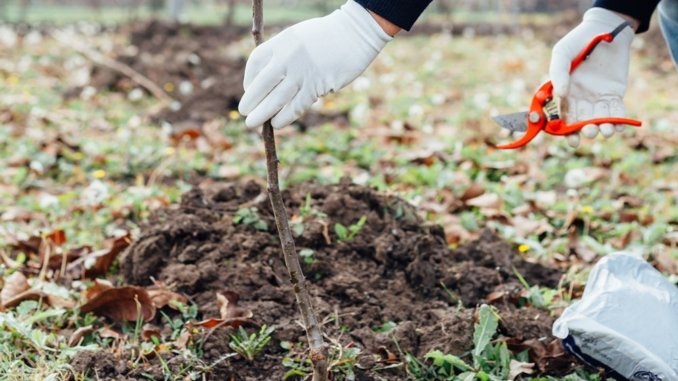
(313, 332)
(230, 13)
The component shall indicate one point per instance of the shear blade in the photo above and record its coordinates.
(515, 122)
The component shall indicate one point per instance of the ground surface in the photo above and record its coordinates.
(100, 182)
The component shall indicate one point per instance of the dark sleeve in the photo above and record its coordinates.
(641, 10)
(402, 13)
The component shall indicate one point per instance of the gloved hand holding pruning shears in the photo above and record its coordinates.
(589, 69)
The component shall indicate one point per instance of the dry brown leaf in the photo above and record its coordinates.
(526, 226)
(473, 191)
(100, 285)
(485, 201)
(127, 303)
(79, 334)
(212, 132)
(23, 296)
(207, 323)
(109, 333)
(58, 237)
(29, 246)
(231, 313)
(14, 285)
(182, 341)
(549, 357)
(161, 296)
(55, 260)
(148, 331)
(59, 302)
(105, 257)
(517, 368)
(665, 262)
(584, 252)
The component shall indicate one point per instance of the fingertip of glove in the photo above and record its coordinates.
(607, 130)
(573, 140)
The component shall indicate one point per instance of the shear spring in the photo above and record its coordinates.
(551, 109)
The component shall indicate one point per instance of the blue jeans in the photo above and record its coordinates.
(668, 19)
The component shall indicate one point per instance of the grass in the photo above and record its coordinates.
(420, 123)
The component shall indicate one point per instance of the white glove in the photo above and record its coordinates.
(596, 89)
(287, 74)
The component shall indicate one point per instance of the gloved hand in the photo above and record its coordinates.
(287, 74)
(596, 89)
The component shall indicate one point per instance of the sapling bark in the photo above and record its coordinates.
(314, 333)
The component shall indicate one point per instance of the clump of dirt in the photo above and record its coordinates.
(396, 269)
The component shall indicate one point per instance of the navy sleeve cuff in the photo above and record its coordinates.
(402, 13)
(641, 10)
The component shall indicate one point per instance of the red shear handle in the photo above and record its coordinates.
(607, 37)
(558, 127)
(532, 131)
(584, 54)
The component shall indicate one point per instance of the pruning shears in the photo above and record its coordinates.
(543, 114)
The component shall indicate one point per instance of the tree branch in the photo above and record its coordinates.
(299, 283)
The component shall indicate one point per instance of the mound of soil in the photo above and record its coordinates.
(396, 269)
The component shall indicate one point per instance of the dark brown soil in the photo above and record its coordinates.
(171, 55)
(396, 269)
(175, 55)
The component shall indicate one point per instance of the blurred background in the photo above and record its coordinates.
(205, 11)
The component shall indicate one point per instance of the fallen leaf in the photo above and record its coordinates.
(59, 302)
(104, 258)
(100, 285)
(215, 137)
(473, 191)
(127, 303)
(517, 368)
(549, 357)
(485, 201)
(58, 237)
(29, 246)
(79, 334)
(23, 296)
(182, 341)
(231, 313)
(148, 331)
(109, 333)
(161, 296)
(584, 252)
(665, 263)
(14, 285)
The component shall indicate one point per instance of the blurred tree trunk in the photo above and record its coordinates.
(96, 7)
(23, 9)
(230, 12)
(176, 8)
(156, 7)
(323, 6)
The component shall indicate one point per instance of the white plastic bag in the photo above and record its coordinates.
(626, 321)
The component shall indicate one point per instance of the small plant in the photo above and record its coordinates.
(540, 297)
(250, 216)
(307, 210)
(250, 345)
(490, 361)
(342, 361)
(346, 234)
(307, 256)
